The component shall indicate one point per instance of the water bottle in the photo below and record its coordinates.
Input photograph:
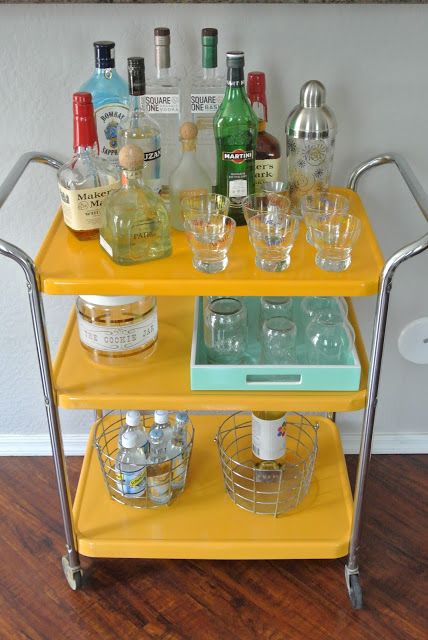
(162, 422)
(131, 466)
(159, 469)
(177, 451)
(133, 423)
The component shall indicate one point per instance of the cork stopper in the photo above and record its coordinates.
(131, 157)
(188, 135)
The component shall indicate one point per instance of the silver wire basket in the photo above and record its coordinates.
(262, 491)
(164, 481)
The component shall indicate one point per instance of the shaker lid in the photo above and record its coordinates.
(312, 118)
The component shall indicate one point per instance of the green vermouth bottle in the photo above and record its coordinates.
(235, 132)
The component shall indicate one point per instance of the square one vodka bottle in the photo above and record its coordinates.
(139, 128)
(206, 95)
(164, 104)
(109, 97)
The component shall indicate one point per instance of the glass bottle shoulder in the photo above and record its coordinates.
(202, 84)
(134, 200)
(87, 170)
(164, 84)
(189, 173)
(106, 86)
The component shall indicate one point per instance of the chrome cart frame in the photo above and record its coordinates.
(71, 562)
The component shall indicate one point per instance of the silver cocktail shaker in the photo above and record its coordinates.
(310, 130)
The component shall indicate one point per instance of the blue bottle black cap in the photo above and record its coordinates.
(104, 54)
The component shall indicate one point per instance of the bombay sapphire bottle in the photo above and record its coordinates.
(109, 97)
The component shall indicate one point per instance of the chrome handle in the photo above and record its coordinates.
(18, 169)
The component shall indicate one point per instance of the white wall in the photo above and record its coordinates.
(373, 61)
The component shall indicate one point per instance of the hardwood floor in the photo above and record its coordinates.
(212, 600)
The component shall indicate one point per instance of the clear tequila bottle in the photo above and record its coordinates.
(164, 104)
(110, 98)
(139, 128)
(207, 92)
(189, 178)
(135, 225)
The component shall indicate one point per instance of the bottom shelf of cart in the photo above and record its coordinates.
(203, 523)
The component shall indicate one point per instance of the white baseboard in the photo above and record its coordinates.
(75, 444)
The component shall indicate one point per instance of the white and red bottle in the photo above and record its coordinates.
(85, 180)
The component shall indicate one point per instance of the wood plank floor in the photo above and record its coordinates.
(207, 600)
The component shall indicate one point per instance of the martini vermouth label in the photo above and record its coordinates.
(237, 156)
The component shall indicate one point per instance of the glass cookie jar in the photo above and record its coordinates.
(117, 329)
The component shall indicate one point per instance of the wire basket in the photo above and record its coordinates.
(163, 481)
(260, 490)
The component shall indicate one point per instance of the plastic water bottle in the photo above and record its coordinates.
(162, 422)
(159, 469)
(131, 466)
(176, 450)
(133, 423)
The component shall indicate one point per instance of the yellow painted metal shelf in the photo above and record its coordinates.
(163, 380)
(69, 266)
(204, 523)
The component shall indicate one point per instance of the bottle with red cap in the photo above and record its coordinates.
(85, 180)
(268, 151)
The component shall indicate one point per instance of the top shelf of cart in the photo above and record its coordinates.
(69, 266)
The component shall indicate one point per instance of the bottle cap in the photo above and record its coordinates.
(136, 76)
(162, 43)
(131, 157)
(235, 60)
(311, 119)
(312, 94)
(133, 418)
(256, 89)
(84, 127)
(129, 439)
(209, 48)
(161, 416)
(104, 54)
(188, 132)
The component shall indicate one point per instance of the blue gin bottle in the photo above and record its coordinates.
(109, 97)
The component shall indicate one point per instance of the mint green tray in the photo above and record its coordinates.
(251, 376)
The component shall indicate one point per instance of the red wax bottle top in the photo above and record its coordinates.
(84, 127)
(256, 89)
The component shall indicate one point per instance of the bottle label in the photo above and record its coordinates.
(131, 484)
(268, 437)
(108, 118)
(266, 171)
(119, 338)
(206, 103)
(82, 207)
(237, 166)
(163, 103)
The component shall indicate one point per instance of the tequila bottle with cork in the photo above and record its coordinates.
(163, 102)
(85, 180)
(268, 151)
(110, 98)
(135, 225)
(235, 131)
(207, 93)
(189, 178)
(138, 127)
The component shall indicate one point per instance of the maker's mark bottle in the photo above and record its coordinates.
(235, 131)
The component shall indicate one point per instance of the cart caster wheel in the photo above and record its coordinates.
(74, 577)
(355, 591)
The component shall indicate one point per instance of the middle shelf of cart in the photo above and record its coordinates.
(162, 381)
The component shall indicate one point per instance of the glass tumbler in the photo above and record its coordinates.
(334, 238)
(311, 305)
(271, 307)
(273, 237)
(205, 205)
(209, 238)
(273, 203)
(323, 205)
(225, 331)
(329, 337)
(278, 341)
